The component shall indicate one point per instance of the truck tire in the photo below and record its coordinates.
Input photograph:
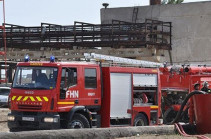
(140, 120)
(78, 121)
(169, 115)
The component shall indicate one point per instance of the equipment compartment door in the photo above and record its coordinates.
(120, 95)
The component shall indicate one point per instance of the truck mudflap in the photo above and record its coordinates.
(33, 120)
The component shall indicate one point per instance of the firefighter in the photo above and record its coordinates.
(205, 87)
(196, 86)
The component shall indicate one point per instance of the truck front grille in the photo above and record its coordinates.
(30, 107)
(28, 123)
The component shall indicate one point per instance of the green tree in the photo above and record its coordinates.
(172, 1)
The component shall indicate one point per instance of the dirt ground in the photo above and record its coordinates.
(161, 137)
(3, 127)
(3, 119)
(158, 137)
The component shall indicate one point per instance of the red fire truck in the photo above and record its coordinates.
(176, 83)
(49, 95)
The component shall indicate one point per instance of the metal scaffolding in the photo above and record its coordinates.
(3, 51)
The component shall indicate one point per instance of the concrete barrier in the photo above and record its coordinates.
(102, 133)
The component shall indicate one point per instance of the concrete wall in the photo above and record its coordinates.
(191, 31)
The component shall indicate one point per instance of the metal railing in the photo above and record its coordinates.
(151, 33)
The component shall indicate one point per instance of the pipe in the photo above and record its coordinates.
(182, 132)
(184, 103)
(194, 70)
(184, 112)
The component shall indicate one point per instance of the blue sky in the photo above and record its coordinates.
(64, 12)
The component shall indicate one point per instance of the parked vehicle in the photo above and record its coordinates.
(176, 83)
(49, 95)
(4, 93)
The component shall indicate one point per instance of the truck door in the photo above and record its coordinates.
(92, 86)
(120, 96)
(69, 88)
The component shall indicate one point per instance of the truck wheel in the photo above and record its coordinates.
(169, 115)
(140, 120)
(78, 121)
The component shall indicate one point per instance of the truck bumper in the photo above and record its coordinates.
(23, 120)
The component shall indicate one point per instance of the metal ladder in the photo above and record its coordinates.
(96, 120)
(140, 63)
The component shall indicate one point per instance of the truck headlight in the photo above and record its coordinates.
(50, 120)
(11, 118)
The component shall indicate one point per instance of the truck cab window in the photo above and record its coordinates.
(35, 77)
(69, 77)
(90, 78)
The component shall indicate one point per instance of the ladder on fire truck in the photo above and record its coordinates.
(3, 50)
(119, 60)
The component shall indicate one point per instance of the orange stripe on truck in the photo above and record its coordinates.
(65, 103)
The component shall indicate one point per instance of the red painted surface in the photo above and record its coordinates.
(106, 101)
(136, 110)
(194, 70)
(84, 99)
(202, 113)
(181, 80)
(176, 107)
(45, 105)
(105, 107)
(159, 95)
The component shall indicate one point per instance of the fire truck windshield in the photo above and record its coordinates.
(35, 78)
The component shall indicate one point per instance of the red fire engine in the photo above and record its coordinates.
(176, 83)
(48, 95)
